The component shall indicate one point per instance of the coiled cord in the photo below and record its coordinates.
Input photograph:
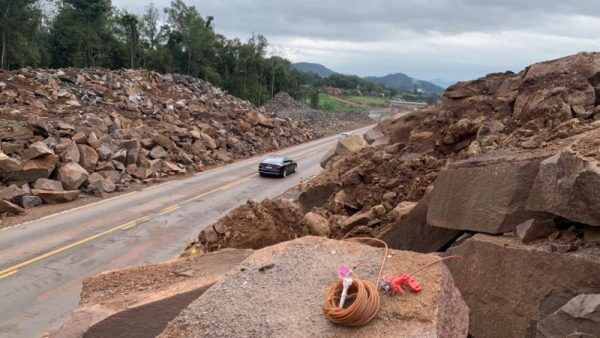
(363, 300)
(363, 297)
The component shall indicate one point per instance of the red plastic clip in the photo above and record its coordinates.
(394, 285)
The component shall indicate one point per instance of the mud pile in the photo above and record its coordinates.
(97, 131)
(511, 158)
(253, 226)
(326, 122)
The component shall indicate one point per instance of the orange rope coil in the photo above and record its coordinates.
(363, 301)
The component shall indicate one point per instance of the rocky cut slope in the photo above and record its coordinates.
(504, 171)
(97, 131)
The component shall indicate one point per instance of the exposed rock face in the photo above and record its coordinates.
(141, 301)
(580, 317)
(484, 194)
(437, 311)
(527, 283)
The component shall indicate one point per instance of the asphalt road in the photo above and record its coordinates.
(43, 262)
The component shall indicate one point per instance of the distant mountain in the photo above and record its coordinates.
(405, 83)
(442, 83)
(314, 68)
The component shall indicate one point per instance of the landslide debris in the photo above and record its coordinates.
(326, 122)
(97, 131)
(253, 226)
(510, 155)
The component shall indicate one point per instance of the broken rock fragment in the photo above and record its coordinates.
(37, 150)
(10, 208)
(72, 175)
(568, 185)
(55, 197)
(535, 229)
(580, 317)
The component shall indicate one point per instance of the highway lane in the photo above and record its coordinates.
(43, 262)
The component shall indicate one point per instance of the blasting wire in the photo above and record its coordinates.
(363, 295)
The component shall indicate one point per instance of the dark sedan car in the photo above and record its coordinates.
(277, 166)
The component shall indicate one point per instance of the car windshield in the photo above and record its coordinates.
(273, 160)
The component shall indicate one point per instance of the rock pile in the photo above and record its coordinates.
(509, 155)
(96, 131)
(284, 105)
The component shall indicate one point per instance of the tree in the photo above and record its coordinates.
(20, 25)
(79, 34)
(314, 99)
(129, 24)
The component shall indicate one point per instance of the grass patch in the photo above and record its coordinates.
(327, 102)
(369, 100)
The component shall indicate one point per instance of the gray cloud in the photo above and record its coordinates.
(448, 39)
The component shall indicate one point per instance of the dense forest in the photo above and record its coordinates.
(175, 39)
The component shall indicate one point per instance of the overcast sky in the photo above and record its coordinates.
(427, 39)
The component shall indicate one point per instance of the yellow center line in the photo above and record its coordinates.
(169, 209)
(13, 269)
(129, 225)
(8, 274)
(144, 219)
(64, 248)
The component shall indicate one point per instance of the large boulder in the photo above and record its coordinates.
(89, 157)
(351, 144)
(141, 301)
(485, 194)
(568, 185)
(282, 289)
(373, 135)
(316, 224)
(72, 153)
(46, 184)
(32, 170)
(37, 150)
(580, 317)
(12, 193)
(10, 208)
(411, 231)
(347, 145)
(8, 165)
(72, 175)
(512, 286)
(99, 185)
(56, 197)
